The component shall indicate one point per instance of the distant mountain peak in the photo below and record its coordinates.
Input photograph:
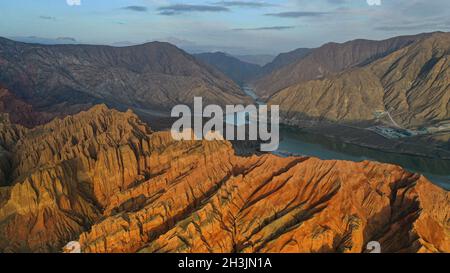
(241, 72)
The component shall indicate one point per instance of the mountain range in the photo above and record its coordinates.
(348, 82)
(411, 83)
(260, 60)
(153, 76)
(78, 163)
(244, 72)
(330, 59)
(406, 77)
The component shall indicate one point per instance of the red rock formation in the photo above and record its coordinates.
(104, 179)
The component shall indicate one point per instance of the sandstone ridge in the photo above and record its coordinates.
(103, 178)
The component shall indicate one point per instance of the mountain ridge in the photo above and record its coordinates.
(154, 75)
(239, 71)
(330, 59)
(410, 83)
(284, 59)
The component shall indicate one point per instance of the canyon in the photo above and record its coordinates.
(83, 158)
(105, 179)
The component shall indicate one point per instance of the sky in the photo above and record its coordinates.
(236, 27)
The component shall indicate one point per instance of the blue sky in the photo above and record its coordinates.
(238, 27)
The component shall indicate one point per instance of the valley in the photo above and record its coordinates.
(86, 154)
(359, 143)
(300, 142)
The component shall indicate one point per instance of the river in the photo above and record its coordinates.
(298, 142)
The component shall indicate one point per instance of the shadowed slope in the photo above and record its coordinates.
(153, 76)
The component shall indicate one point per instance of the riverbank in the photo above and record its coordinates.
(430, 146)
(302, 142)
(425, 154)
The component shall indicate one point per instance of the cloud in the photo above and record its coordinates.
(247, 4)
(374, 2)
(136, 8)
(337, 2)
(183, 8)
(66, 39)
(44, 41)
(43, 17)
(297, 14)
(264, 28)
(414, 27)
(73, 2)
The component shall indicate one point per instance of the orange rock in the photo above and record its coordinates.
(104, 179)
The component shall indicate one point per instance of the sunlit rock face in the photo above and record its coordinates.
(104, 179)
